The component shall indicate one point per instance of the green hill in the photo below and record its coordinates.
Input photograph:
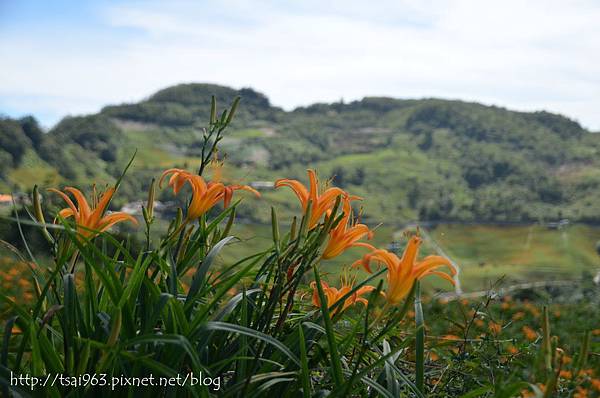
(424, 159)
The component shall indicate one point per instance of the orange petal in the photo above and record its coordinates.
(442, 275)
(99, 210)
(298, 188)
(84, 207)
(108, 221)
(166, 173)
(65, 213)
(67, 200)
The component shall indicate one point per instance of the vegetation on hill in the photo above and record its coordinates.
(102, 316)
(424, 159)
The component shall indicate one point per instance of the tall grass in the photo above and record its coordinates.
(104, 310)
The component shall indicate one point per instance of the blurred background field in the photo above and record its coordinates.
(484, 253)
(488, 185)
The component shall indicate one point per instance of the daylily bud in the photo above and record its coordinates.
(37, 206)
(145, 214)
(150, 204)
(274, 226)
(232, 111)
(39, 214)
(213, 110)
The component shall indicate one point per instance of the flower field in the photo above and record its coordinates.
(281, 320)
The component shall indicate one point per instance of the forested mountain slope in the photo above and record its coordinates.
(426, 159)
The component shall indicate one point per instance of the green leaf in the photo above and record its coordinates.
(391, 381)
(172, 339)
(135, 280)
(233, 302)
(478, 392)
(5, 375)
(232, 328)
(304, 374)
(336, 366)
(420, 340)
(6, 340)
(200, 275)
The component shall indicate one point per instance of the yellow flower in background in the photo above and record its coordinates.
(91, 220)
(494, 327)
(322, 202)
(204, 195)
(403, 272)
(346, 234)
(518, 315)
(332, 294)
(580, 392)
(529, 333)
(566, 374)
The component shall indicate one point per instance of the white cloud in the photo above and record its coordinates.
(523, 55)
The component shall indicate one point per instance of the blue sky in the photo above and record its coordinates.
(72, 57)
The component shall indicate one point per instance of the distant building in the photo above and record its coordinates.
(135, 208)
(262, 185)
(395, 246)
(558, 224)
(6, 200)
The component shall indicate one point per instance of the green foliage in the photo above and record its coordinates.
(418, 159)
(14, 141)
(105, 306)
(96, 134)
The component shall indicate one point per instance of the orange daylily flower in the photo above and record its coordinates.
(229, 189)
(217, 177)
(333, 295)
(403, 272)
(91, 220)
(344, 236)
(204, 195)
(322, 202)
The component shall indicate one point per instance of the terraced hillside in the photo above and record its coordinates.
(424, 159)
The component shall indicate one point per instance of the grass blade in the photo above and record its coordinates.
(420, 340)
(304, 374)
(336, 366)
(232, 328)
